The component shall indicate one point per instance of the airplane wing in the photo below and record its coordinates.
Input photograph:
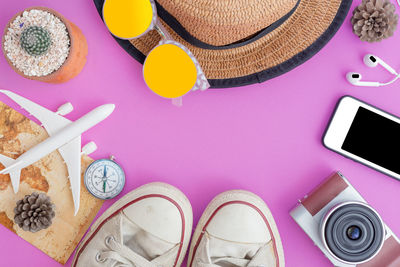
(71, 154)
(51, 121)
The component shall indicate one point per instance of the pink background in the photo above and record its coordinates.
(265, 138)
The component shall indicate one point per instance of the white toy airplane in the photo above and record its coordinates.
(64, 135)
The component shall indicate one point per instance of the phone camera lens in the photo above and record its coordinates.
(354, 232)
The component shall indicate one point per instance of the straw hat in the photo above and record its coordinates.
(239, 42)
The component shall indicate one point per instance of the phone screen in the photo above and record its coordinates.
(374, 138)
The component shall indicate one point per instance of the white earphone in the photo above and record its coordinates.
(371, 61)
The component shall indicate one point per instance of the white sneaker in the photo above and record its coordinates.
(236, 229)
(148, 227)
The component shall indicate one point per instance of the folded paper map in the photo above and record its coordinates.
(50, 176)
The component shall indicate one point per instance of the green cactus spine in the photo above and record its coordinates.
(35, 40)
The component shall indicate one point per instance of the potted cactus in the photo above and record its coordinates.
(41, 44)
(35, 40)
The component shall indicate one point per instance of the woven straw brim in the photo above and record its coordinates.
(303, 34)
(223, 22)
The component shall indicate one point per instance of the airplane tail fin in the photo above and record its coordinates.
(14, 175)
(15, 178)
(75, 196)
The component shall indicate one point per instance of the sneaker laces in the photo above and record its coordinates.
(207, 261)
(202, 264)
(122, 256)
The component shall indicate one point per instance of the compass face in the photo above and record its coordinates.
(104, 179)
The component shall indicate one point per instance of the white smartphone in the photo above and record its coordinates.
(365, 134)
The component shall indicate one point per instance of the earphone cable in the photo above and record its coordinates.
(392, 81)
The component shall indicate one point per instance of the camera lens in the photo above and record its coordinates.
(353, 232)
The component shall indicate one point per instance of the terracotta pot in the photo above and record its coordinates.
(76, 59)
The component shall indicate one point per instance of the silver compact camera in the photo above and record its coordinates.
(346, 229)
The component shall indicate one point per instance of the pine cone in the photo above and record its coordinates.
(34, 212)
(35, 40)
(374, 20)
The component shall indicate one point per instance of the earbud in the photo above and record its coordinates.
(355, 79)
(373, 61)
